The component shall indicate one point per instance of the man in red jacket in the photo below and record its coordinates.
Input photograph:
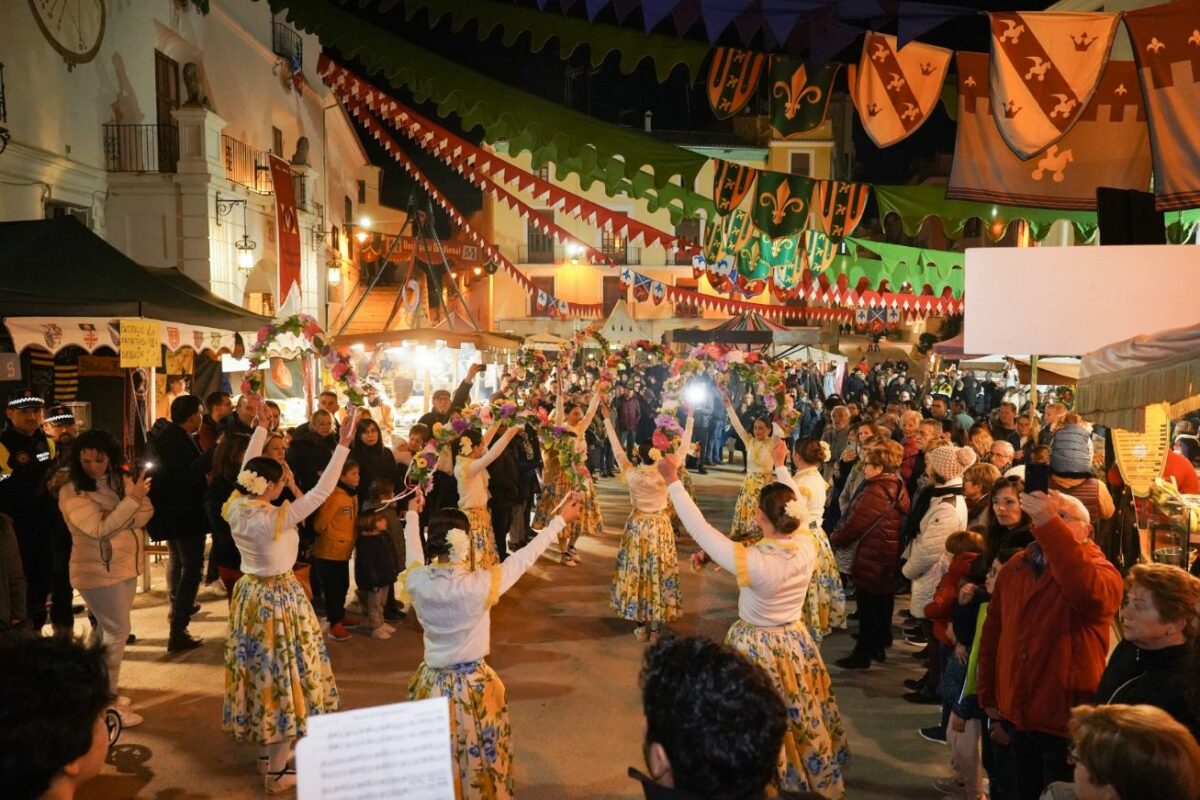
(1045, 640)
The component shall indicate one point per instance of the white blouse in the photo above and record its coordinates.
(647, 489)
(810, 487)
(772, 575)
(453, 603)
(254, 523)
(472, 474)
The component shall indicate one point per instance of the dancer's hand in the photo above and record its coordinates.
(417, 502)
(571, 509)
(780, 453)
(668, 467)
(348, 425)
(606, 412)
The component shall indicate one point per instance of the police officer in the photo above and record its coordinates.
(26, 459)
(60, 427)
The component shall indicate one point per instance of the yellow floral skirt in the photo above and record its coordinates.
(689, 486)
(645, 584)
(480, 733)
(277, 670)
(825, 603)
(814, 747)
(590, 523)
(744, 528)
(483, 539)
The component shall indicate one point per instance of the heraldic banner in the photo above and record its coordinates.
(732, 79)
(731, 183)
(1107, 147)
(781, 203)
(840, 206)
(799, 101)
(1045, 68)
(1166, 45)
(289, 229)
(896, 91)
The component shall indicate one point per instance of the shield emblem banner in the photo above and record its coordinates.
(719, 273)
(714, 240)
(641, 288)
(732, 78)
(896, 91)
(658, 292)
(541, 301)
(781, 203)
(627, 277)
(731, 184)
(840, 205)
(799, 102)
(780, 260)
(1045, 68)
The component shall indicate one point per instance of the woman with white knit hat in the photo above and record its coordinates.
(947, 514)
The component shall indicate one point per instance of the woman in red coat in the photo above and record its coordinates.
(872, 525)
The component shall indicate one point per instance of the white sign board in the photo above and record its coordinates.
(1069, 301)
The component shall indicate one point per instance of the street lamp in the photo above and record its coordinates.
(245, 258)
(333, 273)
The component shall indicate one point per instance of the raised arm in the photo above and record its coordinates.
(618, 451)
(490, 433)
(712, 541)
(685, 444)
(492, 453)
(255, 447)
(412, 539)
(590, 414)
(298, 511)
(519, 562)
(734, 421)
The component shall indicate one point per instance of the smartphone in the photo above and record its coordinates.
(1037, 478)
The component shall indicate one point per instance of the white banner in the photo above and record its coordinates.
(91, 333)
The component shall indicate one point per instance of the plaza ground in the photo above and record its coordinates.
(570, 667)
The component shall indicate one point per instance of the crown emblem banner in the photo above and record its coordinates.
(895, 91)
(1045, 68)
(799, 102)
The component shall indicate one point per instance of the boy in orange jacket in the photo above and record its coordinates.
(336, 534)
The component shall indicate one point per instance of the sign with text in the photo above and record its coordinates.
(99, 367)
(1142, 456)
(141, 340)
(10, 366)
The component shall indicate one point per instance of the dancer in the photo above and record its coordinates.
(473, 452)
(645, 585)
(277, 670)
(773, 576)
(760, 448)
(557, 481)
(453, 604)
(825, 602)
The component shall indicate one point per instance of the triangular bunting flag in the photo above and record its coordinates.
(781, 203)
(641, 288)
(653, 12)
(799, 102)
(732, 79)
(731, 183)
(1045, 67)
(717, 15)
(895, 92)
(841, 205)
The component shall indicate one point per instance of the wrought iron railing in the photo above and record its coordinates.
(548, 254)
(246, 166)
(3, 105)
(287, 44)
(623, 255)
(141, 148)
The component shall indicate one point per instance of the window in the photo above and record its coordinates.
(800, 163)
(335, 238)
(611, 291)
(687, 310)
(347, 211)
(543, 172)
(362, 192)
(544, 284)
(614, 245)
(276, 141)
(687, 232)
(539, 244)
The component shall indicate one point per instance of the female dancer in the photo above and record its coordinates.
(453, 603)
(474, 453)
(645, 585)
(557, 482)
(277, 671)
(825, 603)
(760, 448)
(773, 577)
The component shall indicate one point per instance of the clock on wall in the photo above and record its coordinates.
(74, 28)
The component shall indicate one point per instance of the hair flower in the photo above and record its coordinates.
(465, 446)
(826, 451)
(796, 510)
(256, 483)
(655, 455)
(460, 545)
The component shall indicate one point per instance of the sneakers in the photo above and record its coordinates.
(129, 718)
(182, 641)
(934, 733)
(394, 614)
(917, 683)
(381, 633)
(279, 782)
(950, 786)
(338, 632)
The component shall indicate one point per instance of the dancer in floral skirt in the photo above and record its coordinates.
(453, 604)
(474, 452)
(557, 482)
(825, 603)
(760, 446)
(277, 670)
(773, 577)
(645, 585)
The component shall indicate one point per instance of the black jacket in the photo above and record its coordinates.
(177, 488)
(504, 478)
(373, 463)
(307, 455)
(1167, 679)
(655, 792)
(25, 463)
(224, 551)
(458, 401)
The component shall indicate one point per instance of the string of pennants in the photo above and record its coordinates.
(1046, 111)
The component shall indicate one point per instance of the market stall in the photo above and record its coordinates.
(750, 329)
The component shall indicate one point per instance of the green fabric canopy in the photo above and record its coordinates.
(632, 46)
(549, 131)
(899, 265)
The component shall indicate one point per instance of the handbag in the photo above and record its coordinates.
(845, 555)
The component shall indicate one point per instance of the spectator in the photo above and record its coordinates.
(59, 424)
(837, 436)
(1010, 525)
(978, 481)
(178, 494)
(311, 449)
(1156, 662)
(242, 418)
(629, 413)
(106, 510)
(1025, 428)
(12, 578)
(1005, 427)
(443, 403)
(871, 528)
(51, 742)
(959, 415)
(1054, 413)
(335, 526)
(227, 462)
(528, 456)
(1001, 455)
(714, 723)
(219, 405)
(910, 427)
(375, 461)
(274, 415)
(1128, 752)
(1044, 641)
(1071, 469)
(504, 491)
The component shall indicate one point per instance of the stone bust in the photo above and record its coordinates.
(195, 92)
(300, 157)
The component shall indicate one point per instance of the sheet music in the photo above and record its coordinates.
(379, 753)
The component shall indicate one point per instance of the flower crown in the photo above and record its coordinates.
(460, 545)
(251, 480)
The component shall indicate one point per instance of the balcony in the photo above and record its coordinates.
(247, 166)
(623, 256)
(141, 148)
(558, 254)
(287, 44)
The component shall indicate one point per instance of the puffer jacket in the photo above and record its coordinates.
(335, 525)
(946, 515)
(945, 599)
(98, 516)
(873, 520)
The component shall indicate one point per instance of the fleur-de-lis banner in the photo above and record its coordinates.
(781, 203)
(752, 273)
(895, 91)
(626, 278)
(719, 272)
(732, 78)
(1045, 68)
(840, 206)
(714, 239)
(731, 183)
(641, 288)
(780, 259)
(1165, 38)
(799, 101)
(658, 292)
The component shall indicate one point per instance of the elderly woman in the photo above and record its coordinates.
(1156, 663)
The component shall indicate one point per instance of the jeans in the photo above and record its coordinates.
(628, 442)
(502, 518)
(110, 606)
(335, 582)
(713, 446)
(519, 530)
(874, 621)
(184, 570)
(1039, 759)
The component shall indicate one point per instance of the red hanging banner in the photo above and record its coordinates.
(289, 228)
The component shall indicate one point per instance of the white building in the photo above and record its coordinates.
(103, 125)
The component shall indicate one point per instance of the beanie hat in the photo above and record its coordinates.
(950, 462)
(1071, 451)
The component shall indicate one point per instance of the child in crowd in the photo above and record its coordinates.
(335, 525)
(381, 490)
(375, 568)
